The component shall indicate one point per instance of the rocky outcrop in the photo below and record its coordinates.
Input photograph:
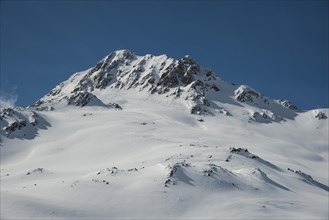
(83, 98)
(246, 94)
(265, 116)
(20, 123)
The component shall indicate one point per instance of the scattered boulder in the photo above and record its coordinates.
(207, 172)
(228, 158)
(238, 150)
(37, 170)
(115, 106)
(321, 115)
(215, 87)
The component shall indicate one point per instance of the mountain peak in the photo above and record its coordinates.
(123, 54)
(202, 91)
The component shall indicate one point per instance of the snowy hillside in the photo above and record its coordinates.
(154, 137)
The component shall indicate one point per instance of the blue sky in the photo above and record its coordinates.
(279, 48)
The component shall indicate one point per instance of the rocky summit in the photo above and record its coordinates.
(181, 79)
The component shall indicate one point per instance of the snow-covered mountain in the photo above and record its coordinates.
(202, 90)
(154, 137)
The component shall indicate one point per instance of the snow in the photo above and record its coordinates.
(153, 159)
(152, 134)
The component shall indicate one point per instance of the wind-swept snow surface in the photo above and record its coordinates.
(133, 153)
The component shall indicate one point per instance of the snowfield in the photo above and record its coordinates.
(148, 157)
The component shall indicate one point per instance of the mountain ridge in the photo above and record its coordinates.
(182, 78)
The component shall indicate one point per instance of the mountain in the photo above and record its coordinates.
(184, 79)
(155, 137)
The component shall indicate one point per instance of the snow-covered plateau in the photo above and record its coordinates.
(154, 137)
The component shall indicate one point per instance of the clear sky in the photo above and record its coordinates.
(280, 48)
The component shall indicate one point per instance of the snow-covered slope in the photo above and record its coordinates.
(118, 141)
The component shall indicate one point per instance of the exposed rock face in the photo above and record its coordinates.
(182, 72)
(106, 69)
(288, 104)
